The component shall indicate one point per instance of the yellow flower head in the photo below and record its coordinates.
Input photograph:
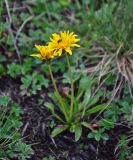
(64, 41)
(45, 52)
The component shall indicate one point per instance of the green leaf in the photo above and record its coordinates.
(63, 106)
(95, 99)
(4, 100)
(86, 82)
(27, 80)
(64, 2)
(57, 100)
(105, 137)
(50, 106)
(66, 105)
(78, 132)
(59, 129)
(98, 136)
(86, 98)
(2, 69)
(91, 135)
(16, 109)
(108, 124)
(86, 124)
(14, 69)
(76, 105)
(97, 109)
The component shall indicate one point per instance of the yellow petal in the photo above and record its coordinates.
(50, 39)
(72, 33)
(60, 52)
(38, 47)
(76, 39)
(67, 32)
(56, 36)
(68, 50)
(75, 45)
(37, 55)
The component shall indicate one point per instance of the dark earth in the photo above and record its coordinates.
(36, 131)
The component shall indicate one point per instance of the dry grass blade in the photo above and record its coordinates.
(9, 20)
(125, 67)
(105, 66)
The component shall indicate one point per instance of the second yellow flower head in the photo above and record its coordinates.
(45, 52)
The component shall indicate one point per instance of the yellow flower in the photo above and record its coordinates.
(64, 41)
(45, 52)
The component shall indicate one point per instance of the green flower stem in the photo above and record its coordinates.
(72, 87)
(56, 90)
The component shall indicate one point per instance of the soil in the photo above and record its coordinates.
(36, 131)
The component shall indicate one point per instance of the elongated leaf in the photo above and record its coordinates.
(80, 106)
(95, 99)
(66, 106)
(75, 103)
(97, 109)
(59, 129)
(63, 105)
(50, 106)
(86, 124)
(89, 101)
(86, 100)
(86, 97)
(76, 107)
(78, 132)
(57, 100)
(86, 82)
